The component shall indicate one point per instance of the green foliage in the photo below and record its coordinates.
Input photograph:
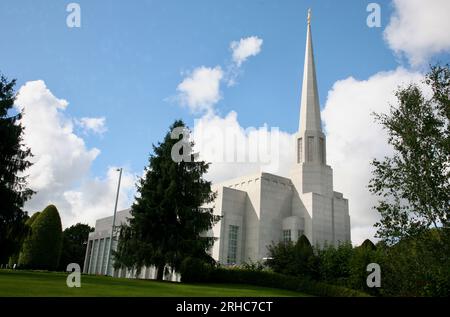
(363, 255)
(334, 263)
(42, 248)
(28, 221)
(414, 266)
(168, 217)
(413, 186)
(194, 270)
(13, 161)
(277, 280)
(418, 266)
(32, 219)
(295, 259)
(254, 265)
(74, 245)
(367, 244)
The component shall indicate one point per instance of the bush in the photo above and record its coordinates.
(334, 263)
(418, 266)
(253, 265)
(295, 259)
(194, 270)
(42, 248)
(277, 280)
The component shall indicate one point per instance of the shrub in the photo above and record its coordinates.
(253, 265)
(418, 266)
(42, 248)
(363, 255)
(14, 258)
(194, 270)
(295, 259)
(277, 280)
(334, 263)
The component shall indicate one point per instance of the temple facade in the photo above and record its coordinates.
(260, 209)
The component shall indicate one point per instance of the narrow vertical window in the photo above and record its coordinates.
(100, 256)
(232, 244)
(322, 150)
(94, 257)
(88, 256)
(105, 257)
(286, 236)
(299, 150)
(310, 148)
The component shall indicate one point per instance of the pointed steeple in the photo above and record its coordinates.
(310, 109)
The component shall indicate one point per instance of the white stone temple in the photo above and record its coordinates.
(263, 208)
(260, 209)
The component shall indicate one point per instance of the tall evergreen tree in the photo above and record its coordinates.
(13, 161)
(169, 221)
(413, 185)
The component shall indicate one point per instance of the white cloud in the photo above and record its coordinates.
(419, 29)
(354, 139)
(95, 198)
(95, 125)
(62, 162)
(246, 47)
(60, 156)
(201, 89)
(235, 151)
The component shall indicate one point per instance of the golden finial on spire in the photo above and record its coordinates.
(309, 16)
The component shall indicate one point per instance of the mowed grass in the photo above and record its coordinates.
(31, 283)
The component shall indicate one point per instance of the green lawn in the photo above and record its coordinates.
(28, 283)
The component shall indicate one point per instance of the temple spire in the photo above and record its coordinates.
(310, 109)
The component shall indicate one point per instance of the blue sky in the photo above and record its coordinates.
(128, 57)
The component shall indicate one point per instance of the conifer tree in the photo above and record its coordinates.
(170, 220)
(13, 162)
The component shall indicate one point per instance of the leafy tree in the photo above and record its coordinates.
(42, 249)
(13, 161)
(74, 245)
(168, 221)
(413, 185)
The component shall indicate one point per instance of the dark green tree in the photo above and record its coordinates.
(169, 222)
(14, 259)
(361, 256)
(413, 185)
(334, 263)
(295, 259)
(42, 248)
(13, 162)
(417, 266)
(74, 245)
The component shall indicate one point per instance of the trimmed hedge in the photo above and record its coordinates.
(276, 280)
(42, 248)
